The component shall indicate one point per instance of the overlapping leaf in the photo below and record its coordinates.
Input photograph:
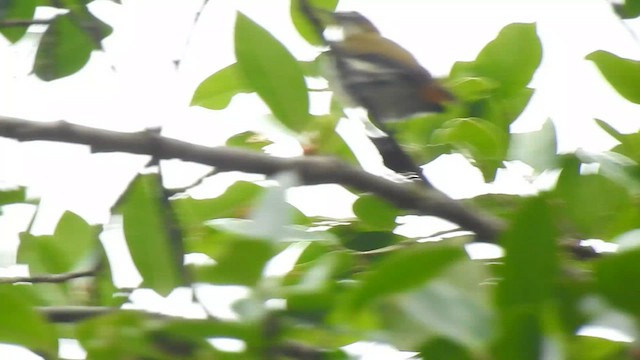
(623, 74)
(272, 72)
(529, 275)
(16, 10)
(151, 236)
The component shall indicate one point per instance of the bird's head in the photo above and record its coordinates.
(352, 22)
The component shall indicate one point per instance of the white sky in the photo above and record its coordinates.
(145, 89)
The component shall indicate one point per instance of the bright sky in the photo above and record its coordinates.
(134, 84)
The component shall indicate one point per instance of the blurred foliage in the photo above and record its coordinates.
(68, 41)
(627, 9)
(623, 74)
(16, 9)
(352, 279)
(493, 92)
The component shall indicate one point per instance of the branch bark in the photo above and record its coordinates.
(70, 314)
(48, 278)
(312, 170)
(8, 23)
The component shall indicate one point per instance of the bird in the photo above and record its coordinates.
(369, 71)
(377, 74)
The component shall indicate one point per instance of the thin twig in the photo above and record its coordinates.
(193, 184)
(196, 18)
(443, 232)
(293, 350)
(69, 314)
(622, 21)
(48, 278)
(8, 23)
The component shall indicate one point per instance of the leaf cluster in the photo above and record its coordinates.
(351, 279)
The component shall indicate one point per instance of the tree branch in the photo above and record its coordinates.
(8, 23)
(49, 278)
(69, 314)
(312, 170)
(292, 350)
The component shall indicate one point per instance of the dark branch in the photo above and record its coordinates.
(49, 278)
(291, 350)
(312, 170)
(22, 23)
(69, 314)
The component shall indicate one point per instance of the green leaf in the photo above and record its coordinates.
(321, 337)
(529, 274)
(78, 238)
(73, 246)
(623, 74)
(504, 110)
(444, 349)
(302, 23)
(315, 291)
(21, 324)
(324, 140)
(273, 72)
(596, 205)
(629, 143)
(73, 5)
(628, 10)
(272, 214)
(536, 148)
(119, 335)
(369, 240)
(594, 348)
(13, 196)
(616, 279)
(502, 205)
(521, 336)
(569, 297)
(376, 213)
(83, 18)
(615, 167)
(415, 135)
(404, 270)
(105, 292)
(216, 91)
(318, 274)
(452, 306)
(45, 255)
(510, 59)
(42, 253)
(204, 329)
(149, 235)
(16, 10)
(313, 68)
(64, 49)
(480, 139)
(66, 45)
(313, 251)
(70, 248)
(472, 88)
(248, 140)
(234, 202)
(240, 261)
(530, 264)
